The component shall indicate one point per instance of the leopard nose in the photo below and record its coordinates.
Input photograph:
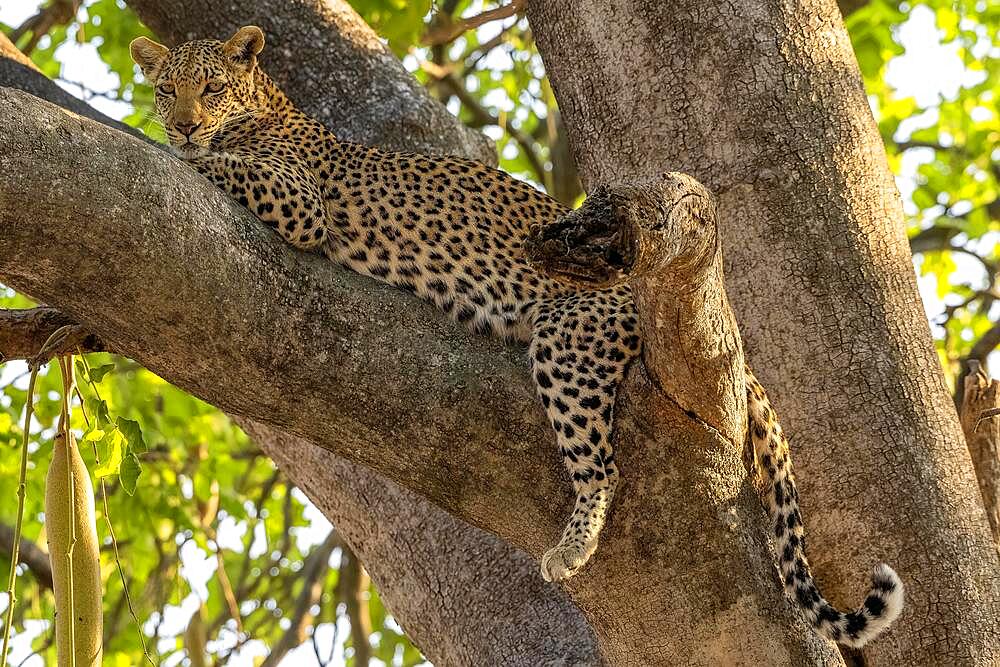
(187, 127)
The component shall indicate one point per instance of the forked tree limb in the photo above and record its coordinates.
(443, 598)
(176, 261)
(181, 279)
(390, 525)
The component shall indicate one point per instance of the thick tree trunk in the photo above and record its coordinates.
(446, 589)
(449, 608)
(762, 101)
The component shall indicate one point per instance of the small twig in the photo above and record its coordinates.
(226, 585)
(476, 56)
(59, 12)
(49, 640)
(448, 32)
(984, 415)
(313, 575)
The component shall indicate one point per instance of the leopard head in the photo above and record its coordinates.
(202, 86)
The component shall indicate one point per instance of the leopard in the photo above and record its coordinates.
(453, 231)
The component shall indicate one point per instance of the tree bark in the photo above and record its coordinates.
(762, 101)
(980, 422)
(520, 620)
(547, 628)
(441, 412)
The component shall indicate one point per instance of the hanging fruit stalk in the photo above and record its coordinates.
(71, 527)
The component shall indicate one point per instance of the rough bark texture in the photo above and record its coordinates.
(444, 413)
(981, 423)
(521, 619)
(23, 333)
(327, 59)
(474, 641)
(762, 101)
(396, 371)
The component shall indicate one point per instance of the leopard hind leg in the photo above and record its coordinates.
(580, 347)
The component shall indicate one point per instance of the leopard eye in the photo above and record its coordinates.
(165, 89)
(214, 87)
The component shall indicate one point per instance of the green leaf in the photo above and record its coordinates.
(93, 435)
(112, 450)
(129, 473)
(97, 409)
(81, 370)
(133, 434)
(97, 374)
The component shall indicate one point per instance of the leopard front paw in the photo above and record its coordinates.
(565, 560)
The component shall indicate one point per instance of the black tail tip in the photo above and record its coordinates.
(880, 609)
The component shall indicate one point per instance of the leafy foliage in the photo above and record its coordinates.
(946, 141)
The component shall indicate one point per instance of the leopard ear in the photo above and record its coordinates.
(243, 47)
(148, 55)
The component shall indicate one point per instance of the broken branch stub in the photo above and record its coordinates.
(982, 433)
(662, 238)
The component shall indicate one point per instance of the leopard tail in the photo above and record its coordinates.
(781, 499)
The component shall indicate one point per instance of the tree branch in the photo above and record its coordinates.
(933, 238)
(220, 306)
(30, 555)
(23, 332)
(817, 270)
(982, 395)
(352, 586)
(848, 7)
(19, 71)
(448, 31)
(55, 13)
(295, 325)
(442, 597)
(482, 116)
(312, 577)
